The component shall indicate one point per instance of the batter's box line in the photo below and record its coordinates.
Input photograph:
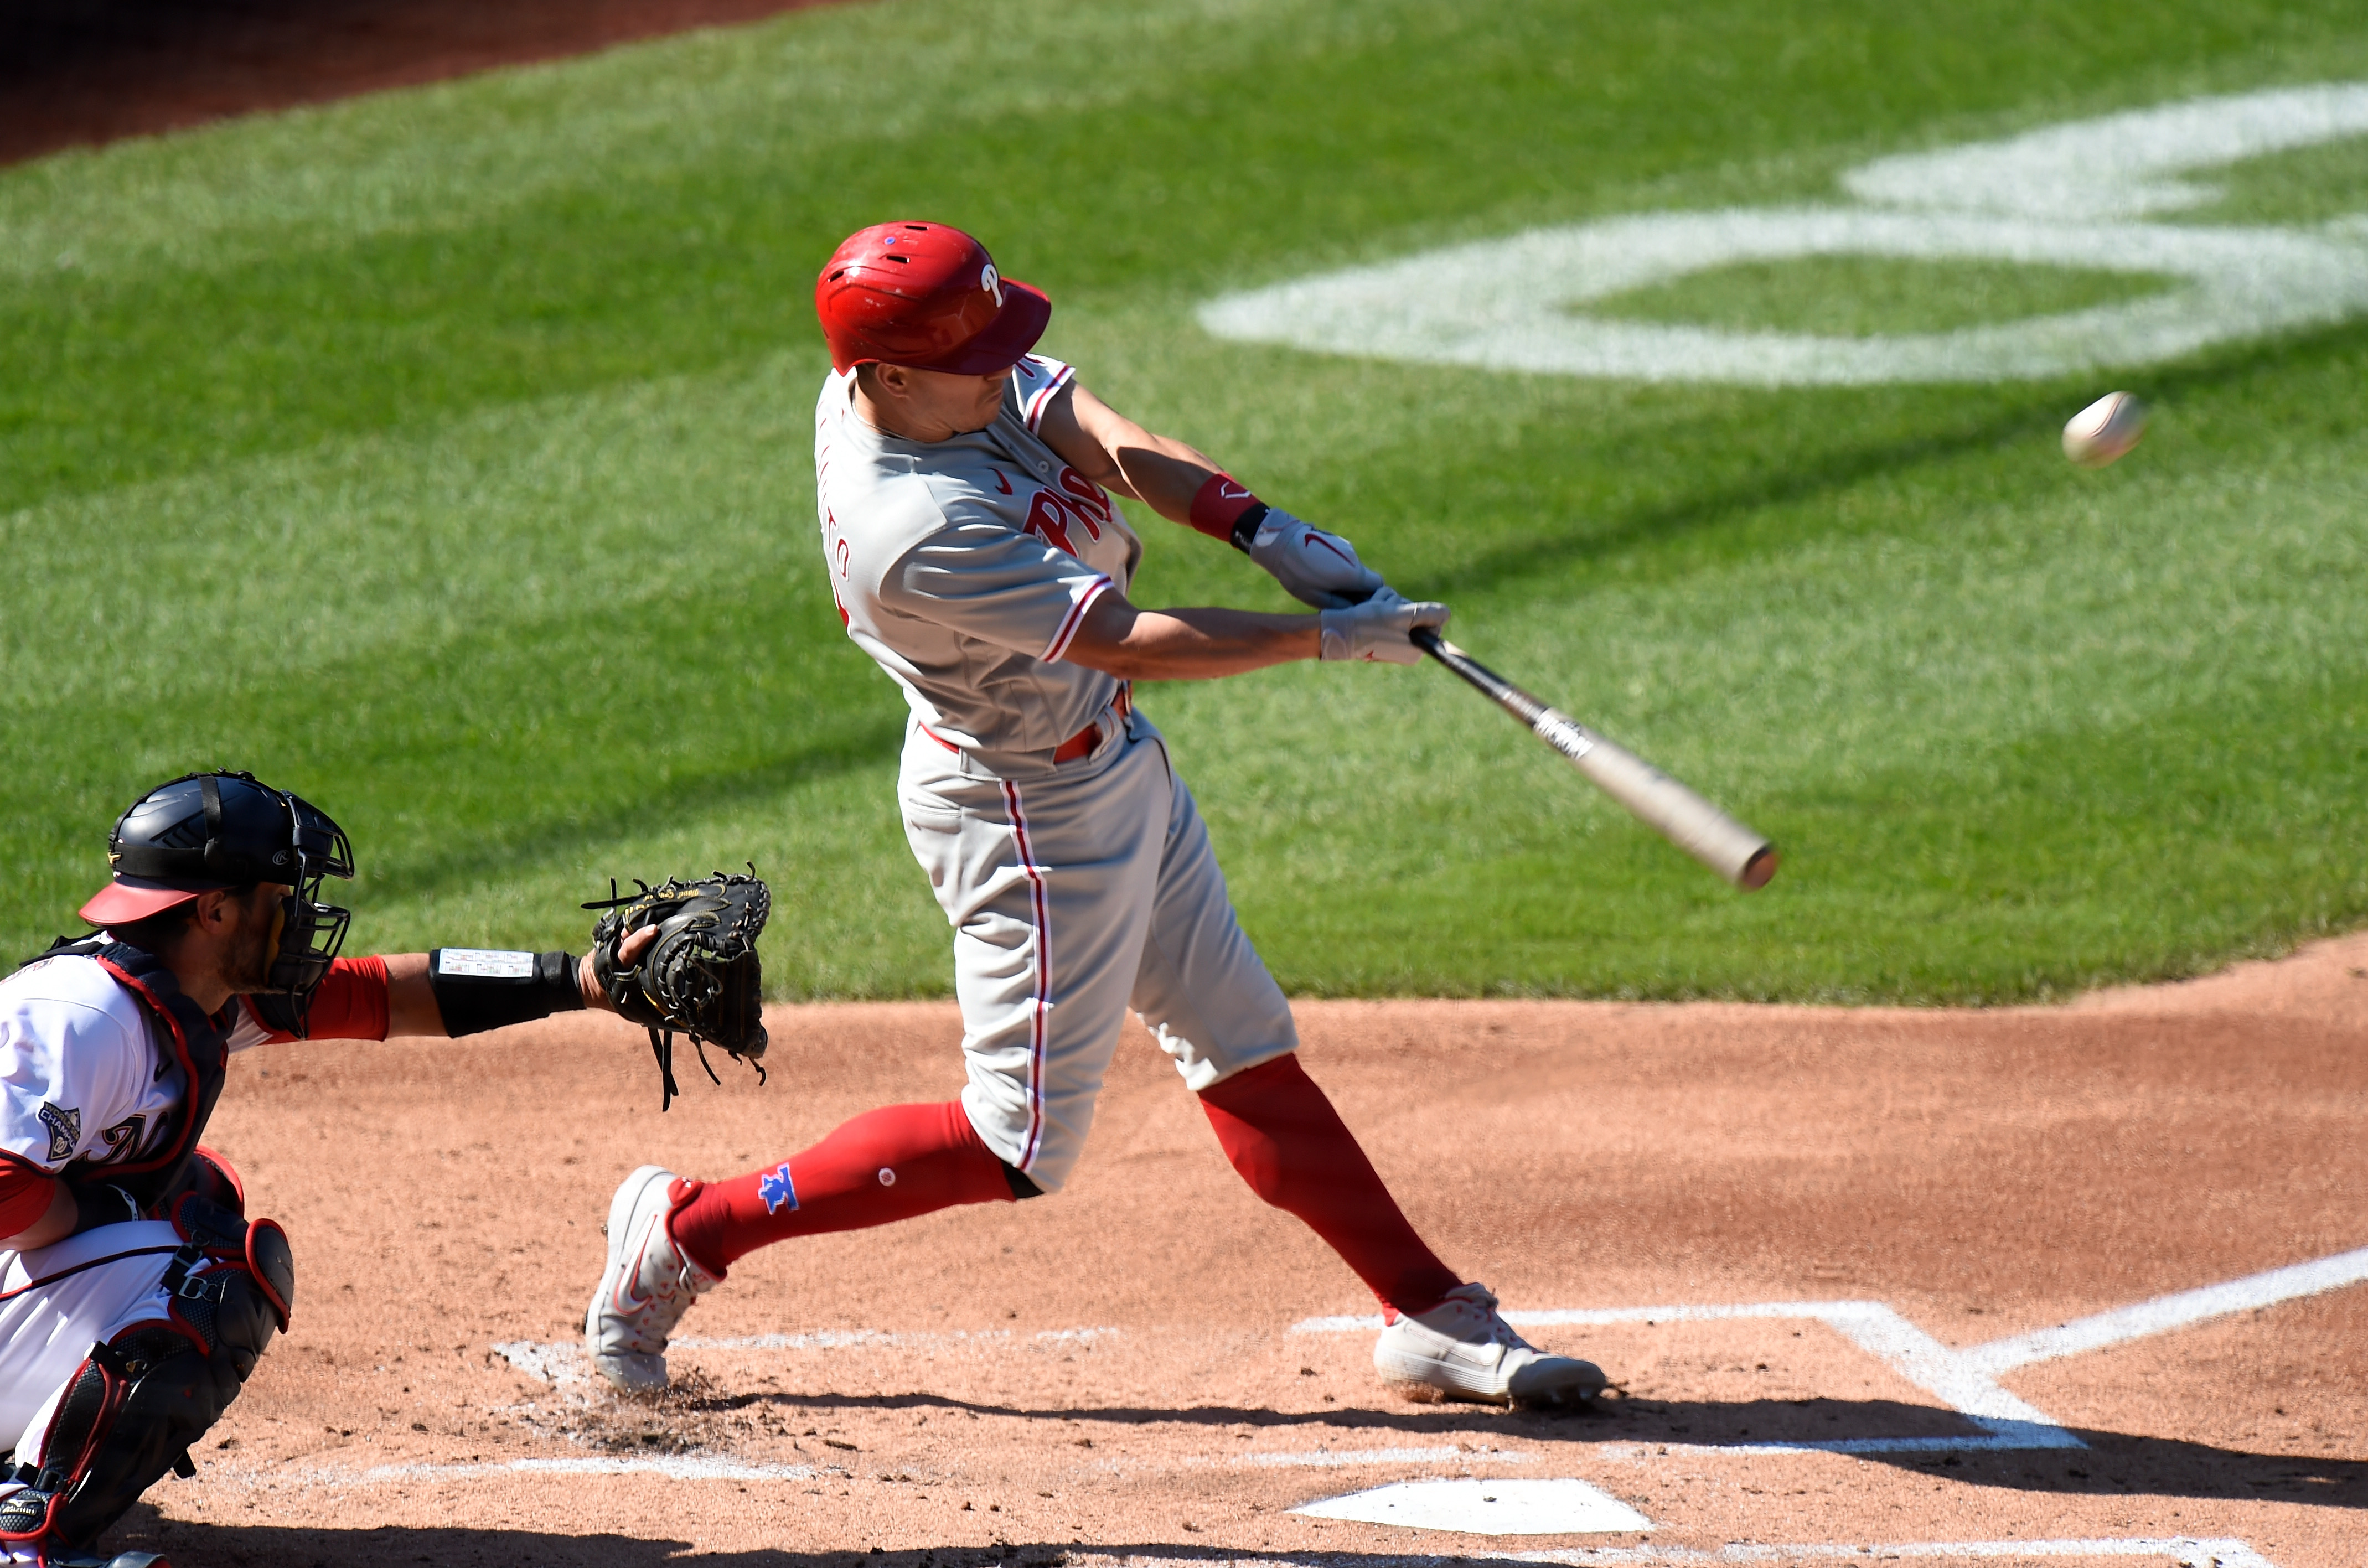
(2185, 1551)
(2224, 1551)
(1965, 1380)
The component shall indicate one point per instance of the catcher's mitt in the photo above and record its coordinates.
(701, 975)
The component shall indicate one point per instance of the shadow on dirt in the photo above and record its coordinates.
(279, 1546)
(2122, 1464)
(2113, 1464)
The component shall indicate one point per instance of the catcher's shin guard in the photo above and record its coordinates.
(130, 1411)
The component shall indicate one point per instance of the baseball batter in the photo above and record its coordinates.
(135, 1295)
(964, 487)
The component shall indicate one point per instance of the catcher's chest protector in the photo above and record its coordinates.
(188, 1040)
(130, 1411)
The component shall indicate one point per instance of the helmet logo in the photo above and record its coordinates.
(991, 282)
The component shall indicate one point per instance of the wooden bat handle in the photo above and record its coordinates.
(1659, 802)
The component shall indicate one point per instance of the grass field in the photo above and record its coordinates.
(445, 456)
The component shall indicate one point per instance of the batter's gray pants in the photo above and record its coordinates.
(1075, 891)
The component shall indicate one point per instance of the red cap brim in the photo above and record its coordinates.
(1026, 312)
(120, 904)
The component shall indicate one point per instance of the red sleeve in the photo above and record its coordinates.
(25, 1191)
(350, 1004)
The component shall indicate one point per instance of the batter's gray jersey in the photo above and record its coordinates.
(1076, 889)
(963, 566)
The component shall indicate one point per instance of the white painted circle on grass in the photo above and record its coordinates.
(2069, 196)
(1516, 303)
(1486, 1507)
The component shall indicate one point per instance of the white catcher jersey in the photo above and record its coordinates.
(963, 566)
(80, 1075)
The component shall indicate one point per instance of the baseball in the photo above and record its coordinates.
(2104, 430)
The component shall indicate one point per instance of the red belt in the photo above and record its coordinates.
(1077, 746)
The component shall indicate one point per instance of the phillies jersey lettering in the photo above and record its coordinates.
(964, 566)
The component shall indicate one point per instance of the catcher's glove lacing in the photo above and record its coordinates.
(699, 976)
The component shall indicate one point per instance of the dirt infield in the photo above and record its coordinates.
(1897, 1200)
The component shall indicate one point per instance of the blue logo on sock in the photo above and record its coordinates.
(776, 1188)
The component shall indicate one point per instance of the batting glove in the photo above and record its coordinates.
(1380, 631)
(1315, 567)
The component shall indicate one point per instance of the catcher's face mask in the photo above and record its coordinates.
(310, 932)
(205, 831)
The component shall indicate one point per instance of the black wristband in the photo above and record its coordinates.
(1245, 527)
(478, 989)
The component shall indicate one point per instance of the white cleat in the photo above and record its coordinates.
(1462, 1349)
(648, 1285)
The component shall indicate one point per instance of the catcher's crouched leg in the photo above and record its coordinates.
(130, 1412)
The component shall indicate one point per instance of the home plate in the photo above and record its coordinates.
(1486, 1507)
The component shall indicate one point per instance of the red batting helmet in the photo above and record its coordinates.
(926, 296)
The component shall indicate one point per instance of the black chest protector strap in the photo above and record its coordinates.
(186, 1038)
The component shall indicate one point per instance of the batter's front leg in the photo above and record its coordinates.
(1214, 1007)
(1221, 1015)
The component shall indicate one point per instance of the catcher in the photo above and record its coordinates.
(135, 1293)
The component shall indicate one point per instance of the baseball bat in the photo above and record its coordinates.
(1659, 802)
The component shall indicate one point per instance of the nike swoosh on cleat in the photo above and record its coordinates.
(621, 1296)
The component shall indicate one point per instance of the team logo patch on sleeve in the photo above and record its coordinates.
(776, 1188)
(65, 1129)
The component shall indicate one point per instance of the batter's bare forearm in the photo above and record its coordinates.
(1119, 455)
(1187, 644)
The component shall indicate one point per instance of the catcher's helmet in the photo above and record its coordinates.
(205, 831)
(926, 296)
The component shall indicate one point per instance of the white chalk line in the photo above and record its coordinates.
(1349, 1459)
(1963, 1379)
(865, 1338)
(2167, 1312)
(674, 1467)
(2186, 1551)
(2006, 1422)
(670, 1467)
(2221, 1551)
(712, 1467)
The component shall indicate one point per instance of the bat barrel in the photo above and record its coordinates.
(1659, 802)
(1669, 808)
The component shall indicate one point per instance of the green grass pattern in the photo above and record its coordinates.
(445, 455)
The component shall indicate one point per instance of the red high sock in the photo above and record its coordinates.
(1293, 1148)
(883, 1166)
